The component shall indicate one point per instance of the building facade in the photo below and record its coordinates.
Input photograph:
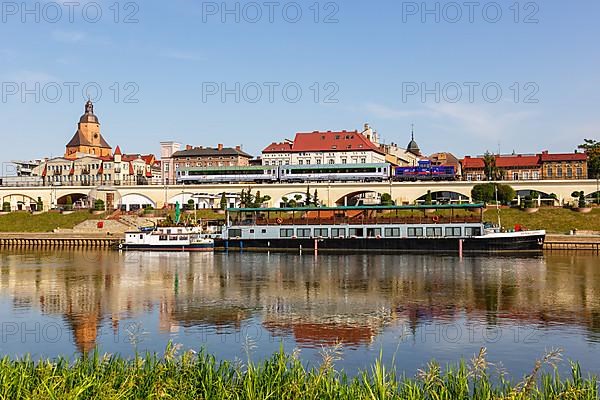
(167, 149)
(314, 148)
(563, 166)
(207, 157)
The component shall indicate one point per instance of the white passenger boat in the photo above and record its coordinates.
(172, 238)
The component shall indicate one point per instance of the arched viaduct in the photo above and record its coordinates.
(329, 193)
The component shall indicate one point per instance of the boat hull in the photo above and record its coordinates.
(478, 245)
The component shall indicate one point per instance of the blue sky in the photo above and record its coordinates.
(366, 61)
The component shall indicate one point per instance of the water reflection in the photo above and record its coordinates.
(308, 300)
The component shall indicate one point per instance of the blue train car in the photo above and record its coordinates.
(425, 171)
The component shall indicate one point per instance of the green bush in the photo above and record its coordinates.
(6, 206)
(99, 205)
(486, 193)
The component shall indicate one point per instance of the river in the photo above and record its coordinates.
(411, 309)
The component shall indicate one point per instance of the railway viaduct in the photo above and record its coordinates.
(329, 193)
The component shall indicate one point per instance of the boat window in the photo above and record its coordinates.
(251, 230)
(162, 237)
(470, 231)
(235, 233)
(392, 232)
(434, 232)
(304, 232)
(168, 231)
(338, 232)
(286, 233)
(264, 231)
(415, 232)
(358, 232)
(141, 236)
(373, 232)
(172, 237)
(182, 237)
(453, 231)
(321, 232)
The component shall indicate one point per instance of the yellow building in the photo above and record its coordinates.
(87, 139)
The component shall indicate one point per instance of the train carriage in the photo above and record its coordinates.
(334, 173)
(248, 174)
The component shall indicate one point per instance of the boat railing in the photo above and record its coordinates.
(434, 219)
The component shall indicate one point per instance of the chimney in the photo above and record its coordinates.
(220, 147)
(238, 148)
(188, 147)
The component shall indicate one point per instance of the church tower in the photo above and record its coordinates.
(88, 139)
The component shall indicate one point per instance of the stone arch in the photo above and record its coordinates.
(445, 197)
(20, 202)
(360, 197)
(290, 198)
(135, 202)
(79, 200)
(542, 198)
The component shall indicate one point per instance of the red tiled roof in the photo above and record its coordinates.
(502, 162)
(131, 171)
(325, 141)
(545, 157)
(118, 151)
(469, 162)
(517, 161)
(278, 148)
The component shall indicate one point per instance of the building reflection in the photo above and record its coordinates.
(314, 300)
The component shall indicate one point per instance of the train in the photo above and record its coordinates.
(380, 172)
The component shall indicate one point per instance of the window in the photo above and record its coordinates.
(515, 176)
(415, 232)
(569, 172)
(363, 160)
(338, 232)
(579, 172)
(286, 233)
(559, 172)
(470, 231)
(331, 161)
(304, 232)
(318, 162)
(300, 162)
(549, 172)
(235, 233)
(357, 232)
(373, 232)
(321, 232)
(263, 231)
(251, 230)
(162, 237)
(434, 232)
(344, 161)
(453, 232)
(536, 175)
(392, 232)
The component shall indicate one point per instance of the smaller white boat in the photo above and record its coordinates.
(172, 238)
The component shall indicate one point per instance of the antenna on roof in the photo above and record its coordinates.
(412, 131)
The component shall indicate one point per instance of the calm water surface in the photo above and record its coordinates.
(410, 308)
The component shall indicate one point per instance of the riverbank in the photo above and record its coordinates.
(44, 222)
(200, 376)
(553, 220)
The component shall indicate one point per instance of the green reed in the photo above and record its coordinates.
(283, 376)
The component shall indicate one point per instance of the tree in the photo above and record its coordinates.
(528, 201)
(68, 203)
(99, 205)
(40, 204)
(286, 201)
(191, 205)
(506, 194)
(581, 200)
(491, 171)
(428, 198)
(592, 150)
(6, 206)
(223, 201)
(316, 198)
(308, 200)
(386, 200)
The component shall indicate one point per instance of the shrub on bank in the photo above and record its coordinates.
(200, 376)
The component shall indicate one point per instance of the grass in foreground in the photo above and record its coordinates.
(200, 376)
(46, 222)
(553, 220)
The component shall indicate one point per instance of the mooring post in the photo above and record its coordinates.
(460, 248)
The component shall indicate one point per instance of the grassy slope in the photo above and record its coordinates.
(47, 222)
(553, 220)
